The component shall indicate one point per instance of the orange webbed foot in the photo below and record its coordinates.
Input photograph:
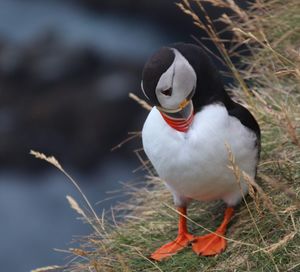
(184, 238)
(209, 245)
(171, 248)
(213, 243)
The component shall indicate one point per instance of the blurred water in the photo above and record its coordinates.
(122, 36)
(36, 217)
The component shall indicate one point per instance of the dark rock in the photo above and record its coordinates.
(62, 101)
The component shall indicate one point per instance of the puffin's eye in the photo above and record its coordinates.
(167, 92)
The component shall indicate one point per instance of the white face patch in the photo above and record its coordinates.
(180, 78)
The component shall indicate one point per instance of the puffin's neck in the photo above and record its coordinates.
(182, 120)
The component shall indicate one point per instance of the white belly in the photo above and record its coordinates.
(194, 165)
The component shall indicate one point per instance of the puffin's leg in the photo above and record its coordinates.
(183, 239)
(212, 244)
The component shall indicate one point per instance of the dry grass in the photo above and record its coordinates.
(264, 235)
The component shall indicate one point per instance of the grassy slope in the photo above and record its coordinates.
(266, 236)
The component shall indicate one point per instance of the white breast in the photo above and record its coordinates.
(194, 165)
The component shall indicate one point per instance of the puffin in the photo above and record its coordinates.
(186, 137)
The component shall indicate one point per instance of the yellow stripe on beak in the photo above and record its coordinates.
(183, 104)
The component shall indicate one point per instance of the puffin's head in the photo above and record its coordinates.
(169, 82)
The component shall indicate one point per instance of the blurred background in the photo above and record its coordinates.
(66, 68)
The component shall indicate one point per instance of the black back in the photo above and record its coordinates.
(210, 88)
